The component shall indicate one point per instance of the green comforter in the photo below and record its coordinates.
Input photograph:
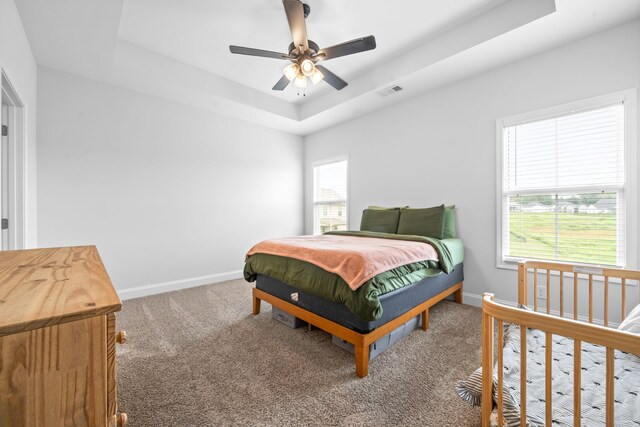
(363, 302)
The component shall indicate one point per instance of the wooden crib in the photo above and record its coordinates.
(554, 318)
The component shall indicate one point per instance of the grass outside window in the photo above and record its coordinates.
(564, 236)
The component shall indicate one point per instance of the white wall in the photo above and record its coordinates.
(17, 62)
(168, 193)
(440, 147)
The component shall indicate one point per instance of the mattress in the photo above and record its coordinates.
(393, 303)
(365, 301)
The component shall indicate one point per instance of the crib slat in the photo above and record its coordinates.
(523, 376)
(500, 370)
(487, 368)
(606, 300)
(547, 378)
(575, 296)
(609, 387)
(535, 289)
(577, 381)
(523, 273)
(548, 289)
(624, 299)
(561, 294)
(591, 298)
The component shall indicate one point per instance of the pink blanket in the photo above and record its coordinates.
(355, 259)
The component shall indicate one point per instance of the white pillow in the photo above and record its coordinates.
(632, 322)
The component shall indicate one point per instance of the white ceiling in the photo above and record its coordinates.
(199, 33)
(178, 49)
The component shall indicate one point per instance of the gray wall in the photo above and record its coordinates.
(171, 195)
(440, 147)
(16, 60)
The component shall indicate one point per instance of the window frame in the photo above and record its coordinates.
(323, 162)
(628, 97)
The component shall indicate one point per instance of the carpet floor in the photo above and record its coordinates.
(197, 357)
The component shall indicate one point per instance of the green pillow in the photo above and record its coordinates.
(380, 220)
(427, 222)
(449, 222)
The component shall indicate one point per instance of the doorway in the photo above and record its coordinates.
(11, 168)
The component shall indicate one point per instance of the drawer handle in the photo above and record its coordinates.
(122, 420)
(121, 338)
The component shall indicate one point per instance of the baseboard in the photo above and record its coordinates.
(159, 288)
(476, 300)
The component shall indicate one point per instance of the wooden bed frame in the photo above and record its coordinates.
(360, 341)
(549, 323)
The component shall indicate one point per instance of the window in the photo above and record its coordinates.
(330, 196)
(565, 184)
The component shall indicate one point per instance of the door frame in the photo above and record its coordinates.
(15, 161)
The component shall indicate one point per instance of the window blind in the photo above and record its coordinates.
(564, 188)
(330, 197)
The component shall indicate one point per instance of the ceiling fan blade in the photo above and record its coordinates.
(348, 48)
(282, 83)
(257, 52)
(331, 78)
(295, 16)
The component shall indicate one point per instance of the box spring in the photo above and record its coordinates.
(393, 303)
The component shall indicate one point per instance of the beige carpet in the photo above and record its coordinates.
(199, 358)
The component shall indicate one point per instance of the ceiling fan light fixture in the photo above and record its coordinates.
(317, 76)
(291, 71)
(307, 67)
(300, 81)
(303, 54)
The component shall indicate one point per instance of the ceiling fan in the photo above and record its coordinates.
(304, 54)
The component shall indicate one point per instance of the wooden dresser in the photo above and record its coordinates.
(57, 339)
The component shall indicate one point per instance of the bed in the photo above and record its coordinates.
(324, 297)
(576, 371)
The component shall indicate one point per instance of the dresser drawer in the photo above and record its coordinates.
(54, 376)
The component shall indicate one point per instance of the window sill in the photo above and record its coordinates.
(507, 265)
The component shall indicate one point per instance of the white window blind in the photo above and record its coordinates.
(330, 197)
(563, 189)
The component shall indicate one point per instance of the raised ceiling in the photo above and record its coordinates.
(199, 33)
(178, 49)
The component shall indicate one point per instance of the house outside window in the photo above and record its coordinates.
(566, 183)
(330, 196)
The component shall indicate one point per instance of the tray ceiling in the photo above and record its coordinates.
(178, 49)
(199, 33)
